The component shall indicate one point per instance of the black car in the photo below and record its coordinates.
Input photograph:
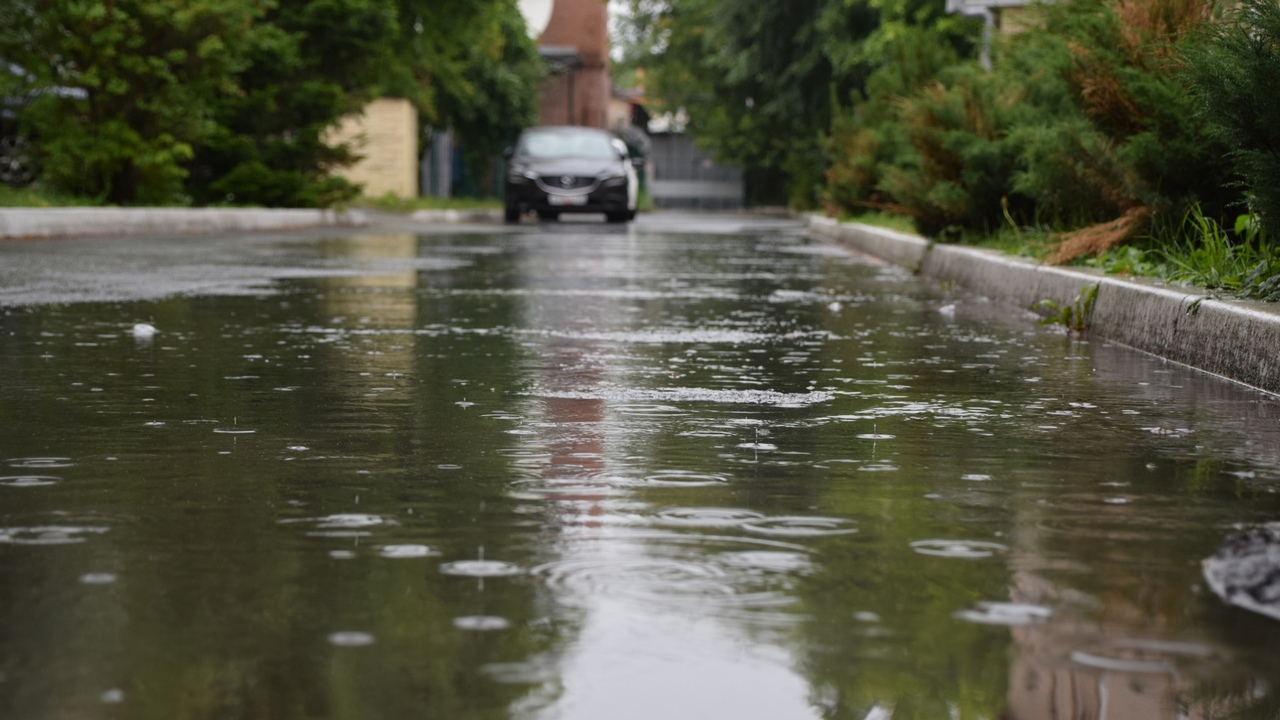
(554, 170)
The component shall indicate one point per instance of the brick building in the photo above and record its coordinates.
(575, 44)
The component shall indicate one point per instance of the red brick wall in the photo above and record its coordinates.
(582, 24)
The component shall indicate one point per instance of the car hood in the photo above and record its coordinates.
(567, 166)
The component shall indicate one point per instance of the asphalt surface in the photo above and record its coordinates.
(154, 266)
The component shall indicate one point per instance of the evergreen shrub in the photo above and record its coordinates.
(1236, 74)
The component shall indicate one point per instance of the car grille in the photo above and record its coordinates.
(561, 183)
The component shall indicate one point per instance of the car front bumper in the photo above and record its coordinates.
(528, 196)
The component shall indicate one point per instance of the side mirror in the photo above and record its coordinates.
(508, 152)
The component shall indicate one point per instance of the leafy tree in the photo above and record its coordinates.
(761, 81)
(122, 90)
(313, 61)
(214, 101)
(468, 65)
(1084, 123)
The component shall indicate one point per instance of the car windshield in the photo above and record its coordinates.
(561, 144)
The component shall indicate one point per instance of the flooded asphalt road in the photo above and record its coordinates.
(698, 467)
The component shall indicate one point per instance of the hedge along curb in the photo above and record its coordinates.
(79, 222)
(1235, 339)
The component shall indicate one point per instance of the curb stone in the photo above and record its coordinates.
(81, 222)
(457, 216)
(1235, 339)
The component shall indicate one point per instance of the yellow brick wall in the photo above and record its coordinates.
(386, 136)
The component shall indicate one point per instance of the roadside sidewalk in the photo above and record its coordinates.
(34, 223)
(18, 223)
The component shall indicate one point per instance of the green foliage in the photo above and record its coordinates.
(1127, 260)
(1073, 317)
(313, 62)
(960, 174)
(1199, 251)
(1082, 119)
(866, 139)
(884, 220)
(1205, 254)
(762, 81)
(143, 74)
(39, 197)
(233, 101)
(1236, 72)
(393, 203)
(469, 65)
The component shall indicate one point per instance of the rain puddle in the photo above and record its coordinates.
(695, 467)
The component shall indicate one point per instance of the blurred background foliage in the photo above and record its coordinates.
(228, 101)
(1092, 124)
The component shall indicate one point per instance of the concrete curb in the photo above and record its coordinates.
(71, 222)
(1235, 339)
(456, 216)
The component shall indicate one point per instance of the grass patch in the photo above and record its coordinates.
(1199, 252)
(1205, 254)
(1127, 260)
(889, 221)
(29, 197)
(1073, 317)
(1033, 243)
(391, 203)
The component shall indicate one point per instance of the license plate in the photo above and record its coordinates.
(567, 199)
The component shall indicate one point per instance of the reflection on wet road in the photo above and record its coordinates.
(697, 467)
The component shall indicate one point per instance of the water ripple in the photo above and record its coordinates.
(682, 478)
(40, 463)
(801, 526)
(700, 395)
(481, 623)
(707, 517)
(340, 524)
(767, 561)
(350, 638)
(1137, 655)
(399, 552)
(28, 480)
(47, 534)
(481, 568)
(1005, 613)
(965, 549)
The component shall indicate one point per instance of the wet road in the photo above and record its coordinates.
(695, 467)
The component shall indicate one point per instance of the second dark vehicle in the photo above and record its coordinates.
(554, 170)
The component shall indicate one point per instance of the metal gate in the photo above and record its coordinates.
(685, 177)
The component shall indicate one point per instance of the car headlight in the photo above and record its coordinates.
(613, 180)
(521, 176)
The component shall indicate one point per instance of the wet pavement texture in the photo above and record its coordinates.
(694, 467)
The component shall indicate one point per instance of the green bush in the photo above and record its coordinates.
(145, 73)
(1236, 74)
(1083, 119)
(867, 138)
(962, 167)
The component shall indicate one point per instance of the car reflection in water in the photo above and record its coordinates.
(554, 170)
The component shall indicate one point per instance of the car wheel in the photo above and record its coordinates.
(548, 215)
(511, 215)
(631, 215)
(617, 217)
